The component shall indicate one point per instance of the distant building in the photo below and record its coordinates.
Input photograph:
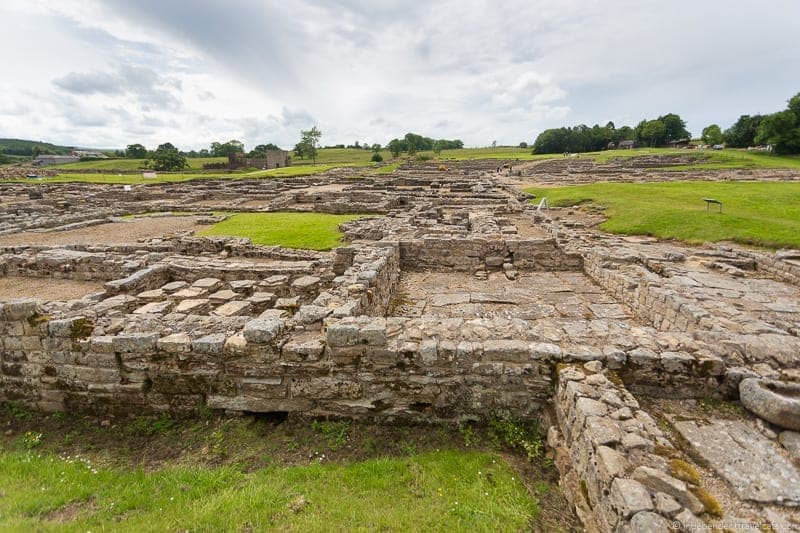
(89, 154)
(679, 143)
(626, 145)
(272, 159)
(47, 160)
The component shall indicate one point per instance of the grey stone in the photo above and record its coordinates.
(601, 430)
(175, 343)
(629, 497)
(135, 342)
(748, 461)
(263, 330)
(791, 441)
(342, 334)
(306, 283)
(209, 344)
(666, 504)
(207, 284)
(234, 308)
(650, 522)
(663, 482)
(775, 401)
(308, 314)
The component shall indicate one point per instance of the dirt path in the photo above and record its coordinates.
(48, 289)
(111, 233)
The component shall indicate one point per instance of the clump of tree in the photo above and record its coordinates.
(663, 130)
(781, 130)
(413, 142)
(227, 149)
(309, 142)
(261, 150)
(743, 132)
(712, 135)
(167, 157)
(580, 138)
(376, 153)
(136, 151)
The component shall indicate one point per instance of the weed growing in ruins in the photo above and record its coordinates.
(31, 440)
(17, 410)
(526, 436)
(335, 432)
(470, 437)
(152, 426)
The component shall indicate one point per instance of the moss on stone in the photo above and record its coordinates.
(710, 502)
(684, 471)
(81, 328)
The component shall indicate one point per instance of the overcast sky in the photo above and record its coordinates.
(107, 73)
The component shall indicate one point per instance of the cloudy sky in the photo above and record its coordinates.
(106, 73)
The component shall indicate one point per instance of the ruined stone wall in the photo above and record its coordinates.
(472, 254)
(613, 458)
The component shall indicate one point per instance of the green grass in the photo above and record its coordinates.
(314, 231)
(756, 213)
(435, 491)
(707, 159)
(195, 163)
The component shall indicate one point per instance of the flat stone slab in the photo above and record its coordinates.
(237, 307)
(752, 464)
(440, 300)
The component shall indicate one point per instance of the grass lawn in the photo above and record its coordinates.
(446, 490)
(706, 159)
(67, 472)
(314, 231)
(761, 214)
(195, 163)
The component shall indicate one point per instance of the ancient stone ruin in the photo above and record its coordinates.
(459, 300)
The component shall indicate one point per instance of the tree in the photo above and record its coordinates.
(653, 132)
(712, 135)
(227, 149)
(395, 146)
(743, 132)
(136, 151)
(167, 157)
(437, 147)
(782, 129)
(262, 149)
(307, 147)
(523, 145)
(3, 158)
(377, 157)
(674, 127)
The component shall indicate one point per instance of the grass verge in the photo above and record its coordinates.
(313, 231)
(754, 213)
(65, 472)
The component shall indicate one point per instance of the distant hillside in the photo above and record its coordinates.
(26, 148)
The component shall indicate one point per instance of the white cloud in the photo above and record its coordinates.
(112, 72)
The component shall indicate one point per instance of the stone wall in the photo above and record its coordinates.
(473, 254)
(613, 458)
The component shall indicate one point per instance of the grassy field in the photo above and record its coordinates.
(195, 163)
(707, 159)
(69, 473)
(314, 231)
(761, 214)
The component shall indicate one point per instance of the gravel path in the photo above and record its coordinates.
(111, 233)
(47, 289)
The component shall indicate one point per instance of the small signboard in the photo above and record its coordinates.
(149, 175)
(126, 188)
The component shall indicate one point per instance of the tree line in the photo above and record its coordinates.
(780, 130)
(582, 138)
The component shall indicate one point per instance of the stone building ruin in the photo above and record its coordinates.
(460, 301)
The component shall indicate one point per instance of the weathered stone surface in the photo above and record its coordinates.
(662, 482)
(193, 306)
(775, 401)
(154, 308)
(629, 497)
(649, 522)
(175, 343)
(306, 283)
(263, 330)
(747, 460)
(308, 314)
(791, 441)
(234, 308)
